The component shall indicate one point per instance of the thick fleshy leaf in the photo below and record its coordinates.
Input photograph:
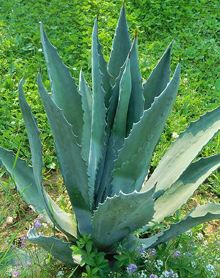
(98, 115)
(23, 176)
(26, 186)
(106, 77)
(120, 215)
(184, 150)
(58, 248)
(73, 167)
(64, 89)
(120, 120)
(158, 79)
(110, 114)
(199, 215)
(86, 96)
(118, 132)
(179, 193)
(120, 46)
(136, 105)
(134, 158)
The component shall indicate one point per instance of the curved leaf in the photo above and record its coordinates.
(134, 158)
(26, 186)
(60, 249)
(199, 215)
(184, 150)
(120, 215)
(158, 79)
(185, 186)
(120, 46)
(64, 89)
(73, 167)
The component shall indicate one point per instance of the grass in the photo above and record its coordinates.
(195, 27)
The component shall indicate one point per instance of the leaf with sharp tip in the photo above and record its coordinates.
(118, 131)
(58, 248)
(26, 186)
(106, 78)
(64, 89)
(24, 179)
(87, 111)
(178, 194)
(73, 167)
(120, 120)
(134, 158)
(121, 215)
(136, 105)
(158, 79)
(199, 215)
(98, 114)
(113, 102)
(120, 46)
(184, 150)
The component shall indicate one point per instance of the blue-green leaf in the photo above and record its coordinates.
(58, 248)
(120, 215)
(64, 89)
(184, 150)
(179, 193)
(26, 186)
(86, 95)
(136, 105)
(134, 158)
(73, 167)
(199, 215)
(106, 77)
(98, 115)
(118, 132)
(158, 79)
(120, 46)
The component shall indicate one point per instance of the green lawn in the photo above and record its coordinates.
(193, 25)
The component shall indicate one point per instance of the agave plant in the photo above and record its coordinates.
(105, 138)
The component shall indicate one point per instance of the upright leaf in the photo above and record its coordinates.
(98, 114)
(179, 193)
(86, 96)
(136, 105)
(120, 215)
(120, 46)
(53, 211)
(158, 79)
(134, 158)
(72, 165)
(118, 131)
(64, 89)
(184, 150)
(106, 77)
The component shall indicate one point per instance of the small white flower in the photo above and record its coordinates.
(199, 236)
(60, 273)
(189, 233)
(210, 267)
(40, 50)
(9, 220)
(175, 135)
(193, 264)
(159, 262)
